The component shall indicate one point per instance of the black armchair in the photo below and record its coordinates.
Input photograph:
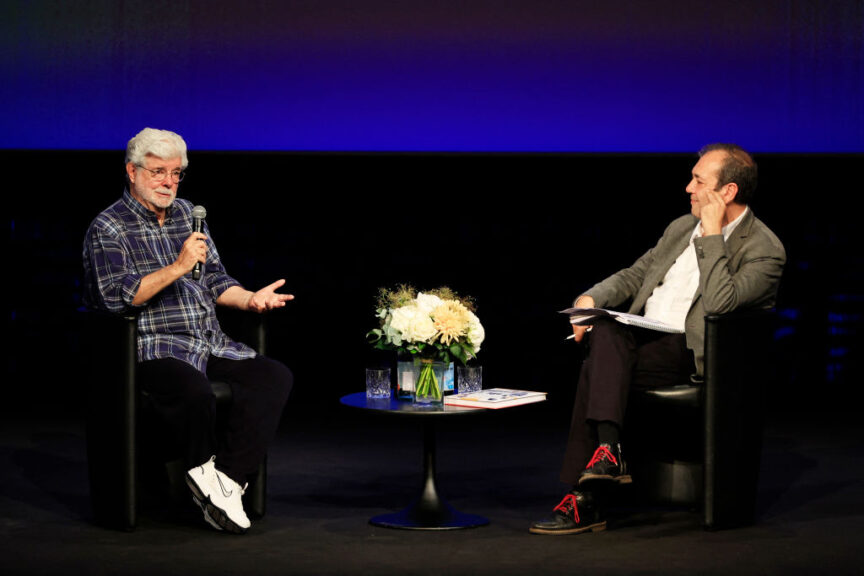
(702, 444)
(115, 408)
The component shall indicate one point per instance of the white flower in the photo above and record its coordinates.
(428, 302)
(413, 323)
(401, 317)
(451, 321)
(476, 333)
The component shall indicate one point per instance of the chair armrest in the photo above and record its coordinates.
(112, 406)
(247, 327)
(734, 338)
(739, 363)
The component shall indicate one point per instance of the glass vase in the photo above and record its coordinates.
(429, 378)
(405, 377)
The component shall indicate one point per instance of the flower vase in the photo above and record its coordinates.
(405, 377)
(429, 376)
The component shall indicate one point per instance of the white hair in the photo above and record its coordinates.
(160, 143)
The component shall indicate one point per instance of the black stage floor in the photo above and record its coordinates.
(331, 469)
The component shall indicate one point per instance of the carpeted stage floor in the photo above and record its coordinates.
(331, 469)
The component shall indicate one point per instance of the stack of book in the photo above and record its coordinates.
(494, 398)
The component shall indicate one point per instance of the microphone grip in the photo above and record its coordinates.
(197, 226)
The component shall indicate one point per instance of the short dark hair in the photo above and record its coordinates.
(738, 167)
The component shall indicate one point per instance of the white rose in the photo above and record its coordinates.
(414, 324)
(428, 302)
(422, 329)
(401, 317)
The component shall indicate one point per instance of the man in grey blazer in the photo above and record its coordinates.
(717, 259)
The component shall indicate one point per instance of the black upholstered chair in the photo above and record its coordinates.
(702, 444)
(116, 408)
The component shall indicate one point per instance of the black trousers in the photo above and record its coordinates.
(183, 402)
(618, 357)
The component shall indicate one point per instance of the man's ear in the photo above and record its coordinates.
(130, 171)
(730, 192)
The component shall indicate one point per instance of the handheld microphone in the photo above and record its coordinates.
(198, 216)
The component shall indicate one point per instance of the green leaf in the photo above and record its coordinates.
(374, 336)
(459, 352)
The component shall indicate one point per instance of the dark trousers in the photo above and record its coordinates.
(183, 402)
(618, 357)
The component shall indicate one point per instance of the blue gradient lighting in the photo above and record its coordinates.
(539, 76)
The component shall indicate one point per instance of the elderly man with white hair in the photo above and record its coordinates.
(139, 255)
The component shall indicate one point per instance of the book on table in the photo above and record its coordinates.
(582, 316)
(494, 398)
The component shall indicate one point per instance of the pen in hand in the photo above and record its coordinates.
(571, 336)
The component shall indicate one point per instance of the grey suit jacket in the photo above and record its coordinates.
(741, 272)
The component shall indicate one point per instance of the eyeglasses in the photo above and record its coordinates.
(160, 174)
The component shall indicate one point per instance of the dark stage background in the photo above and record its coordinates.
(523, 234)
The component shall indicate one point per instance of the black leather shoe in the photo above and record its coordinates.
(576, 513)
(606, 464)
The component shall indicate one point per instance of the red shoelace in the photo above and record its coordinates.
(568, 506)
(601, 453)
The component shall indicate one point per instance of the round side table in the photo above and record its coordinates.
(430, 511)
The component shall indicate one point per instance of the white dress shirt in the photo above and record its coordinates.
(671, 299)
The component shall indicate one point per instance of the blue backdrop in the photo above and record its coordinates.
(379, 75)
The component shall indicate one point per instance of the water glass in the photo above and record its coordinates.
(377, 383)
(470, 378)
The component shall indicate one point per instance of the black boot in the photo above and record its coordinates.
(576, 513)
(606, 464)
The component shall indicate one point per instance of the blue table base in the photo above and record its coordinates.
(417, 518)
(430, 511)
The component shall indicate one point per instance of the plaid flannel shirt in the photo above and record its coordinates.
(126, 243)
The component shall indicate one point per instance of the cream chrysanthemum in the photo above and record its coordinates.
(451, 320)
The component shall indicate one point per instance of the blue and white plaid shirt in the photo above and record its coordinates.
(126, 243)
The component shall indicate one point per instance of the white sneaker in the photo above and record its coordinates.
(218, 496)
(207, 517)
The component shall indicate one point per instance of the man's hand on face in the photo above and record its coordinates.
(713, 210)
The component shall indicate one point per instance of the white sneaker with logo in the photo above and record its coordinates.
(219, 497)
(207, 517)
